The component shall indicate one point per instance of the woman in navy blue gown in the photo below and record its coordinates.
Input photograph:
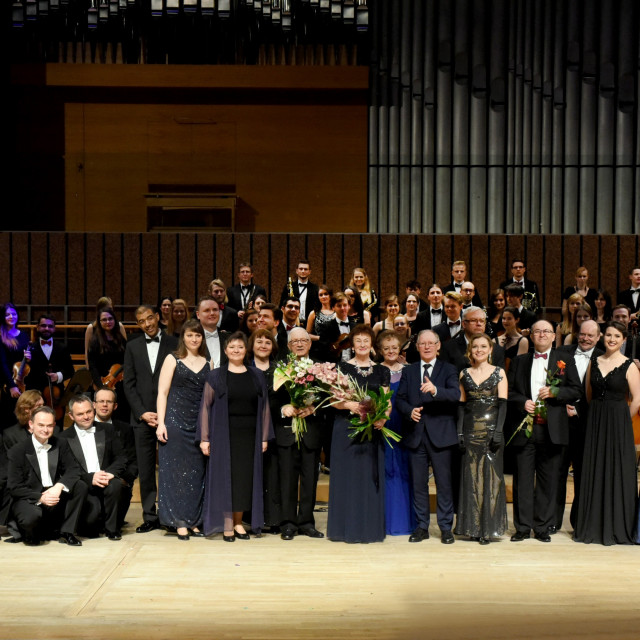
(181, 467)
(399, 516)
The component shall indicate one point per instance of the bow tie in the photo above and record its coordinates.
(457, 285)
(540, 355)
(208, 334)
(42, 447)
(245, 287)
(156, 339)
(290, 326)
(454, 324)
(84, 432)
(46, 342)
(583, 354)
(438, 311)
(343, 324)
(635, 290)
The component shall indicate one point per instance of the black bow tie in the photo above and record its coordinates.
(156, 339)
(343, 324)
(246, 287)
(438, 311)
(454, 324)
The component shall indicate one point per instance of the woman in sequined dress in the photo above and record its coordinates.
(482, 509)
(181, 463)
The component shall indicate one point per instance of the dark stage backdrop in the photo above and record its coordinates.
(74, 269)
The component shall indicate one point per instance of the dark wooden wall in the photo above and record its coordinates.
(75, 269)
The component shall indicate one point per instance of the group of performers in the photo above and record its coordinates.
(193, 397)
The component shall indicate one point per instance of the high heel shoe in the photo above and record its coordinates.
(241, 536)
(183, 536)
(196, 534)
(227, 538)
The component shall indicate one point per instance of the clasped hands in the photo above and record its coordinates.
(102, 478)
(51, 496)
(289, 411)
(543, 394)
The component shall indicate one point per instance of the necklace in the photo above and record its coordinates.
(365, 371)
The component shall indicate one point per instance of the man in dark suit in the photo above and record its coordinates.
(474, 322)
(43, 482)
(143, 360)
(98, 452)
(239, 294)
(105, 402)
(514, 294)
(458, 278)
(631, 345)
(298, 462)
(50, 359)
(208, 313)
(529, 287)
(228, 319)
(451, 326)
(270, 318)
(428, 397)
(538, 458)
(582, 352)
(434, 314)
(631, 296)
(334, 344)
(302, 289)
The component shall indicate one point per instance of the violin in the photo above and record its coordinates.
(21, 370)
(342, 343)
(115, 375)
(52, 395)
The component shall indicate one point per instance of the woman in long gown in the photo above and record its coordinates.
(356, 490)
(234, 427)
(399, 516)
(182, 466)
(609, 489)
(482, 508)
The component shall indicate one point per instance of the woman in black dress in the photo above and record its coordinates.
(234, 427)
(182, 466)
(356, 490)
(13, 350)
(609, 486)
(511, 340)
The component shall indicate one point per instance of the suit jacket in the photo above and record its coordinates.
(60, 361)
(455, 349)
(570, 389)
(442, 330)
(529, 286)
(110, 453)
(626, 297)
(230, 321)
(580, 404)
(329, 334)
(312, 302)
(25, 481)
(476, 300)
(124, 432)
(18, 433)
(527, 318)
(439, 413)
(423, 321)
(234, 295)
(140, 382)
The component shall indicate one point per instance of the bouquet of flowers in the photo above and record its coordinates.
(539, 415)
(306, 382)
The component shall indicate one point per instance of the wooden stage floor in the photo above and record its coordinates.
(153, 586)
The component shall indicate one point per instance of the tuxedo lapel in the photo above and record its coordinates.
(33, 461)
(100, 438)
(53, 456)
(76, 447)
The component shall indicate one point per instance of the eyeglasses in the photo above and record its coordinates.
(542, 332)
(475, 320)
(428, 344)
(300, 341)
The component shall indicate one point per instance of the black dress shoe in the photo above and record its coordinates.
(145, 527)
(446, 537)
(274, 530)
(31, 542)
(484, 541)
(287, 534)
(241, 536)
(70, 539)
(228, 538)
(113, 535)
(519, 536)
(196, 534)
(543, 536)
(312, 532)
(13, 540)
(552, 530)
(419, 535)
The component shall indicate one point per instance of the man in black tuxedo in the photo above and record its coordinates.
(538, 458)
(514, 294)
(451, 326)
(529, 287)
(228, 316)
(98, 452)
(270, 318)
(298, 462)
(631, 296)
(433, 314)
(582, 352)
(334, 344)
(105, 402)
(474, 322)
(143, 360)
(458, 278)
(208, 313)
(290, 312)
(50, 359)
(239, 294)
(304, 290)
(622, 314)
(428, 397)
(43, 483)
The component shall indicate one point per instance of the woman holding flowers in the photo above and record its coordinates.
(609, 490)
(356, 490)
(482, 507)
(234, 427)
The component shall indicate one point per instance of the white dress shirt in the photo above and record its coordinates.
(87, 440)
(152, 349)
(582, 359)
(42, 453)
(539, 370)
(303, 298)
(213, 344)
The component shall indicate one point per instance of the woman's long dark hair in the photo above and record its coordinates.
(196, 327)
(117, 342)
